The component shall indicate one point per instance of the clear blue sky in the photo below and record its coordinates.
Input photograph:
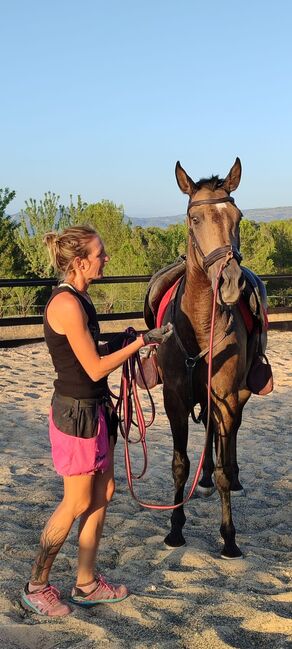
(102, 97)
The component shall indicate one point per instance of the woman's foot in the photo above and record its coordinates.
(44, 602)
(101, 593)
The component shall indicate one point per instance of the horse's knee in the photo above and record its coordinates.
(180, 468)
(223, 479)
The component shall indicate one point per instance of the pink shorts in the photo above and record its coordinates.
(80, 455)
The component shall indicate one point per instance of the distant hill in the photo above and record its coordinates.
(260, 215)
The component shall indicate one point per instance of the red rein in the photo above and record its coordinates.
(124, 408)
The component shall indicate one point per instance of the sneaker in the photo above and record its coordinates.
(45, 602)
(102, 594)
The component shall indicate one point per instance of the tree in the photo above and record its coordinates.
(257, 246)
(11, 260)
(36, 220)
(282, 255)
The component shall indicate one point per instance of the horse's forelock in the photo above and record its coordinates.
(213, 183)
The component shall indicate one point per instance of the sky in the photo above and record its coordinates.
(101, 98)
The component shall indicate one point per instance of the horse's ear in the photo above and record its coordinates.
(232, 181)
(185, 183)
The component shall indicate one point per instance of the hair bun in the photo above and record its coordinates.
(50, 238)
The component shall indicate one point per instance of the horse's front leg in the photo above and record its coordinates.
(236, 487)
(206, 485)
(223, 473)
(178, 417)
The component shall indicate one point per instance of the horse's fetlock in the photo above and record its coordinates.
(178, 519)
(227, 531)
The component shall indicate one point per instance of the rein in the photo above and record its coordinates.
(124, 408)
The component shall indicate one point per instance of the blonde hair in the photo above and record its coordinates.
(65, 246)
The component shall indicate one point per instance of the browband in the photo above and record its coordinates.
(211, 201)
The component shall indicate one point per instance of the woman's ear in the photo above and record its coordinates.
(80, 263)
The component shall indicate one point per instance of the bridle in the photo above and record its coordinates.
(229, 251)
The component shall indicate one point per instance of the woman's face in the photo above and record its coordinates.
(97, 258)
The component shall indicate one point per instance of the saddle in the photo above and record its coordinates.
(254, 294)
(160, 283)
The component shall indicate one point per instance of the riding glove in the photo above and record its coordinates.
(159, 335)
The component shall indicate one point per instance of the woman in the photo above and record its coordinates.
(83, 427)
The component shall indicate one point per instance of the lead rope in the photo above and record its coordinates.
(125, 409)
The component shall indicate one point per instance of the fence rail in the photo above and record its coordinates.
(117, 279)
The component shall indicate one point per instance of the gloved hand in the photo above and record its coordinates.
(159, 335)
(115, 343)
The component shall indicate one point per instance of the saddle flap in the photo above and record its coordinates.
(159, 284)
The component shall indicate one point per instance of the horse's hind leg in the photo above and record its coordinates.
(178, 417)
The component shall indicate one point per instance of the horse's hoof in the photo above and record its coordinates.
(174, 540)
(237, 493)
(230, 555)
(205, 492)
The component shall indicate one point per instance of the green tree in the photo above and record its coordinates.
(36, 220)
(11, 259)
(257, 246)
(282, 255)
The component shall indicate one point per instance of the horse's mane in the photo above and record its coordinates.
(214, 182)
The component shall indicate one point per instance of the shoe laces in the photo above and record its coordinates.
(104, 583)
(51, 594)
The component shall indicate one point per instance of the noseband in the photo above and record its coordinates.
(228, 251)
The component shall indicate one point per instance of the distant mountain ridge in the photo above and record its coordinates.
(261, 215)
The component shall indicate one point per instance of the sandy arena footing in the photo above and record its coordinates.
(186, 598)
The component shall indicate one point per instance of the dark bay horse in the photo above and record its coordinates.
(213, 222)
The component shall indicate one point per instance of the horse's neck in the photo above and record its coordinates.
(197, 302)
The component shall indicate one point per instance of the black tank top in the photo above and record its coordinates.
(72, 380)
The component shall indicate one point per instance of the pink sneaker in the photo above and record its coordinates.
(45, 602)
(102, 594)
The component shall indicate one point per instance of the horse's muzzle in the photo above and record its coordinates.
(231, 284)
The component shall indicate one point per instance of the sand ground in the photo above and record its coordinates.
(187, 598)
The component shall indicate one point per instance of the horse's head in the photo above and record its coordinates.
(213, 221)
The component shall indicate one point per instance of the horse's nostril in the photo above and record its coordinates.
(241, 281)
(221, 281)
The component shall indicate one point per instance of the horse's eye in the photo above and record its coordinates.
(195, 220)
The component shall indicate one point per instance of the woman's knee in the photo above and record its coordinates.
(77, 506)
(110, 489)
(78, 493)
(81, 507)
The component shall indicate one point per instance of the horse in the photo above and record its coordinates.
(213, 236)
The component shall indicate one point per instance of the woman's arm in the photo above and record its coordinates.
(66, 316)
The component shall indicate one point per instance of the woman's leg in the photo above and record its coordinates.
(92, 520)
(76, 500)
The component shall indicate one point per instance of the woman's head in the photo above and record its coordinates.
(76, 249)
